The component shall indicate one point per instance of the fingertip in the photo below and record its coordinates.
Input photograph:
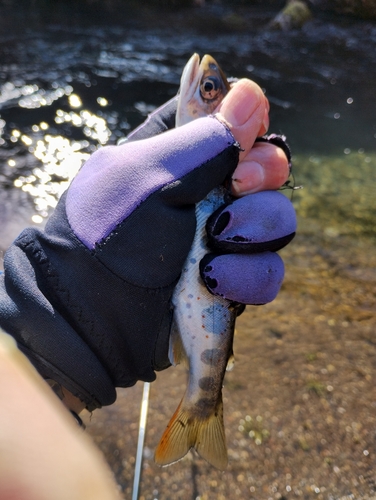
(241, 103)
(266, 167)
(249, 177)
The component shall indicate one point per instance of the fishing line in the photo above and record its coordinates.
(290, 184)
(141, 439)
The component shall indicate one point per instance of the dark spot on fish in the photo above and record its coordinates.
(211, 356)
(208, 269)
(193, 261)
(190, 296)
(181, 423)
(188, 305)
(206, 383)
(204, 406)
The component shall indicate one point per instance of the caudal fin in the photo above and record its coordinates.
(186, 431)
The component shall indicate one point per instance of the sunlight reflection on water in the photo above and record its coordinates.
(41, 159)
(60, 158)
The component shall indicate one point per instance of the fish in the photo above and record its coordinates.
(203, 324)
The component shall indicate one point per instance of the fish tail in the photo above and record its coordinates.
(186, 431)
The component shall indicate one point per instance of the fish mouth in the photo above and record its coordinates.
(202, 87)
(190, 78)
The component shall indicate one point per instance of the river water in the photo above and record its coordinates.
(69, 86)
(66, 90)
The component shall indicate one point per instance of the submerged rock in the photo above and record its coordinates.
(293, 15)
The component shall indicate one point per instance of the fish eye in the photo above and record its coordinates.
(210, 87)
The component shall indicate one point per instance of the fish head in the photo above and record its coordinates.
(203, 85)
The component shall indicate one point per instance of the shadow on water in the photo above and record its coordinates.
(70, 83)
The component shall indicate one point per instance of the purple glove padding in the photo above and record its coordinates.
(116, 179)
(254, 226)
(248, 279)
(254, 223)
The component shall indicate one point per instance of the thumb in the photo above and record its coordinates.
(245, 111)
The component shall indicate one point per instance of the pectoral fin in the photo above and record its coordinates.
(176, 352)
(230, 362)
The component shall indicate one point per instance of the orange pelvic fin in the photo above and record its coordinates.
(176, 352)
(186, 431)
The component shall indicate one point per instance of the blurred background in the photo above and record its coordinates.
(300, 405)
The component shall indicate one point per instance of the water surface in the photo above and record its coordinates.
(65, 91)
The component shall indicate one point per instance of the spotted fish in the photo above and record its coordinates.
(203, 324)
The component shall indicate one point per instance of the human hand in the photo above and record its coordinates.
(255, 224)
(112, 252)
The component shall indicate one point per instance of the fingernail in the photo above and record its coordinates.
(265, 121)
(248, 178)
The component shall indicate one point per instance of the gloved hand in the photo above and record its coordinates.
(88, 299)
